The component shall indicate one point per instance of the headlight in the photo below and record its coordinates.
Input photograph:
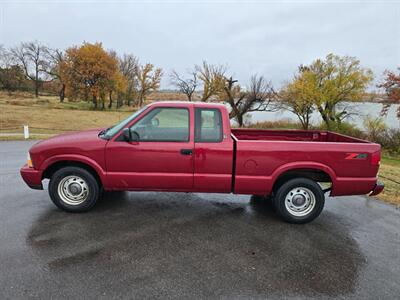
(29, 161)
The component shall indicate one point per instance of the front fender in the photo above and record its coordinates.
(74, 157)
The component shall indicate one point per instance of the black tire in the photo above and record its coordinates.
(292, 209)
(78, 180)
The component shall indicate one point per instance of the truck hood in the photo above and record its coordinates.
(84, 143)
(73, 137)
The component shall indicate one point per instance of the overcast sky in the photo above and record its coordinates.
(265, 37)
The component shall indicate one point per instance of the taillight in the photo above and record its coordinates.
(376, 158)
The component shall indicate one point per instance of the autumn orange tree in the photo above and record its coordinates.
(213, 79)
(149, 80)
(90, 69)
(391, 85)
(118, 84)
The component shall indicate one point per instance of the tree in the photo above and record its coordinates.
(31, 57)
(186, 86)
(129, 66)
(259, 96)
(296, 98)
(213, 79)
(12, 76)
(331, 82)
(55, 60)
(148, 81)
(89, 68)
(391, 85)
(4, 57)
(118, 84)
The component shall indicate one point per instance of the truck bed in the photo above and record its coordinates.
(293, 135)
(263, 155)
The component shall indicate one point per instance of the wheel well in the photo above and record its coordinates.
(313, 174)
(69, 163)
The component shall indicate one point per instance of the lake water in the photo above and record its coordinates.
(361, 110)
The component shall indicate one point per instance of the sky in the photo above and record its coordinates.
(269, 38)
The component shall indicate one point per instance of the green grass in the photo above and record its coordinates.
(389, 172)
(391, 160)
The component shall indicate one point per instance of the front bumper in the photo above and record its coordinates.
(32, 177)
(378, 188)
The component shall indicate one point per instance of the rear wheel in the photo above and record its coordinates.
(73, 189)
(299, 200)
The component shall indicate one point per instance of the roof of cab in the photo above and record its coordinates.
(186, 104)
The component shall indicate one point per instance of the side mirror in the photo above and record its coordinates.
(127, 134)
(130, 135)
(134, 136)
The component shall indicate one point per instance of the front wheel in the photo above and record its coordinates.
(73, 189)
(299, 200)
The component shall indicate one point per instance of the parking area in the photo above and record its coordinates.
(178, 245)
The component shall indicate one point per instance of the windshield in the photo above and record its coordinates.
(110, 132)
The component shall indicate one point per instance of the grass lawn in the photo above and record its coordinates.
(390, 169)
(48, 115)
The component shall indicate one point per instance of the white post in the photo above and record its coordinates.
(26, 132)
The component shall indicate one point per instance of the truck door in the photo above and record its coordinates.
(213, 151)
(162, 158)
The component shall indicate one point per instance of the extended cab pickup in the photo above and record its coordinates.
(190, 147)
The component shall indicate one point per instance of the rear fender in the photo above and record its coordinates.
(303, 165)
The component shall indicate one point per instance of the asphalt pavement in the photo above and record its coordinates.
(190, 246)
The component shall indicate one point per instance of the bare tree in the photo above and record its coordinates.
(259, 96)
(213, 79)
(53, 67)
(186, 86)
(32, 57)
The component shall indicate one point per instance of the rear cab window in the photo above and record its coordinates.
(208, 125)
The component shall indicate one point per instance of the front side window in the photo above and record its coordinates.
(110, 132)
(208, 125)
(164, 125)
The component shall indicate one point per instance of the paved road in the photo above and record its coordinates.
(173, 245)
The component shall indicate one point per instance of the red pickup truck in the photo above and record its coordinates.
(190, 147)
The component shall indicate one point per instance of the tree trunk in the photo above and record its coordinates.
(86, 95)
(325, 117)
(120, 101)
(94, 100)
(239, 119)
(110, 99)
(141, 96)
(37, 82)
(62, 93)
(36, 89)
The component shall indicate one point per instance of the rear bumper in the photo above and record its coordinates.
(32, 177)
(378, 188)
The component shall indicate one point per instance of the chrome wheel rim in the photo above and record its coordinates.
(73, 190)
(300, 201)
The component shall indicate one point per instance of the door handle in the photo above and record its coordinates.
(186, 151)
